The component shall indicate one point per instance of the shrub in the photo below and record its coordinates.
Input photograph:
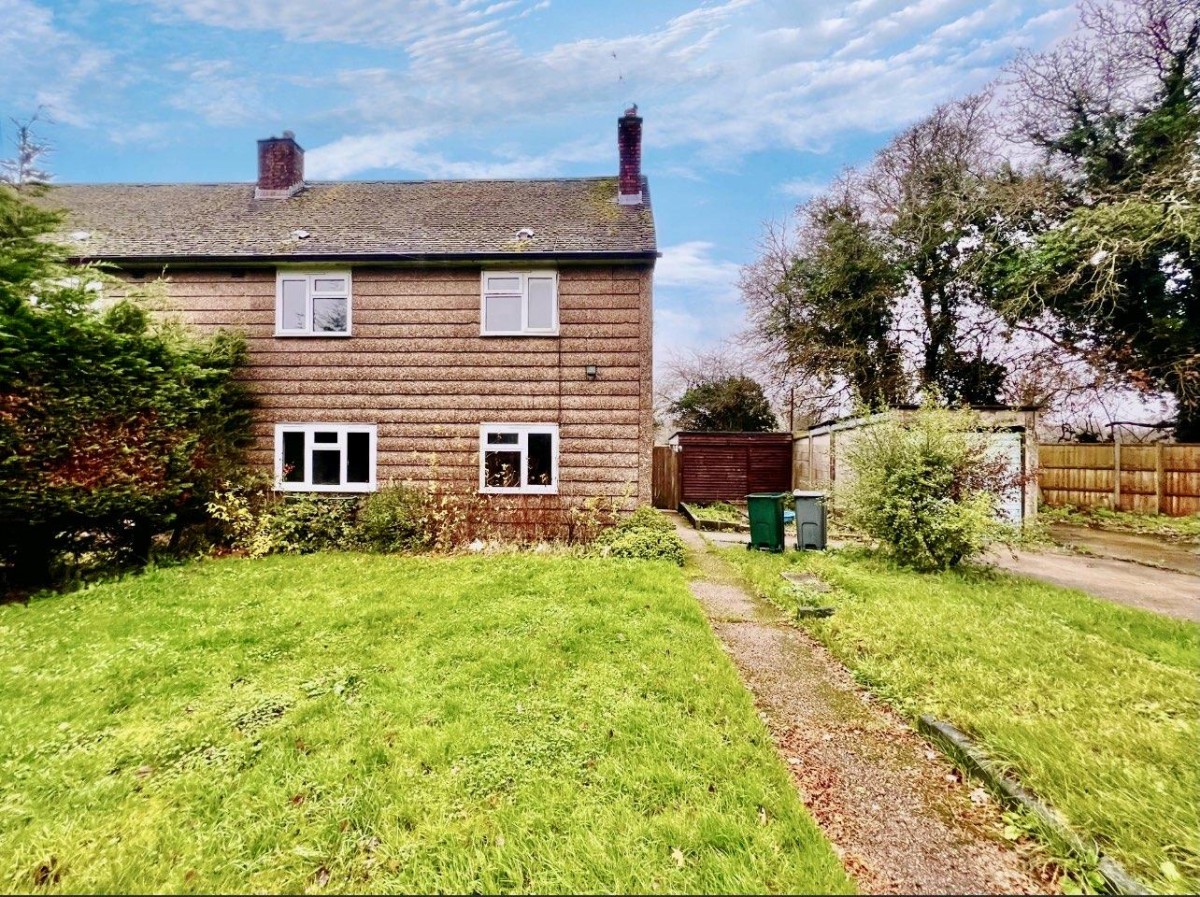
(642, 544)
(115, 424)
(253, 518)
(394, 519)
(645, 535)
(646, 517)
(928, 487)
(303, 524)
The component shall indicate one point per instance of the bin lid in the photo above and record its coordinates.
(767, 495)
(800, 493)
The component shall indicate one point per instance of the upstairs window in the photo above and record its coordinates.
(517, 458)
(519, 303)
(313, 303)
(325, 457)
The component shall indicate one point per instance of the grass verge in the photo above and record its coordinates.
(1184, 530)
(1094, 706)
(345, 722)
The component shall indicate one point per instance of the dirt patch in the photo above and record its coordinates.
(896, 810)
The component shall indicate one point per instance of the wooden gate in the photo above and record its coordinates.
(664, 484)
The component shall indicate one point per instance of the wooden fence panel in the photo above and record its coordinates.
(665, 478)
(1147, 479)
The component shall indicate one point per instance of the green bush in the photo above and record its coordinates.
(394, 519)
(646, 517)
(115, 424)
(644, 535)
(643, 544)
(927, 487)
(304, 524)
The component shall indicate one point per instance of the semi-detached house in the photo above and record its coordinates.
(493, 334)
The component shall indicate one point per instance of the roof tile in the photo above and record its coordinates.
(353, 218)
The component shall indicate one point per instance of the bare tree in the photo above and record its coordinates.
(24, 169)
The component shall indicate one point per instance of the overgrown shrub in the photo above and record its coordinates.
(646, 517)
(303, 524)
(645, 535)
(394, 519)
(928, 486)
(115, 423)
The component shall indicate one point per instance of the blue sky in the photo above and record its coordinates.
(749, 105)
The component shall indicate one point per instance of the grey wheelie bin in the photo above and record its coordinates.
(810, 519)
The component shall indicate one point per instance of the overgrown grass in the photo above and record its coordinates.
(1095, 706)
(359, 723)
(719, 512)
(1177, 529)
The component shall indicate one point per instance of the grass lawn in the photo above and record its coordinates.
(1095, 706)
(362, 723)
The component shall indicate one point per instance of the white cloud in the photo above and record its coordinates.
(42, 64)
(217, 92)
(803, 189)
(692, 264)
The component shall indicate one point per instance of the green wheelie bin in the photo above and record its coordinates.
(766, 520)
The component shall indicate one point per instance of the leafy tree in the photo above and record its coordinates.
(879, 291)
(114, 425)
(1114, 254)
(831, 313)
(730, 403)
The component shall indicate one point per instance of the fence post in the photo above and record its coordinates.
(1158, 478)
(1116, 471)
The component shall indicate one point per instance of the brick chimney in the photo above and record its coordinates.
(280, 167)
(629, 143)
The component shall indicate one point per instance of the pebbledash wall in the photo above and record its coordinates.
(417, 367)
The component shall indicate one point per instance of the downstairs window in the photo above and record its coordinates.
(518, 458)
(325, 457)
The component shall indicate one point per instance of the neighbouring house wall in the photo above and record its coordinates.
(417, 367)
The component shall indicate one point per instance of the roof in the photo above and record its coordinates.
(354, 220)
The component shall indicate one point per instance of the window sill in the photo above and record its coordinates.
(498, 490)
(348, 489)
(291, 334)
(520, 333)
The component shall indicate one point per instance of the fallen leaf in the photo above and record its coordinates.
(320, 878)
(143, 772)
(979, 797)
(298, 799)
(678, 857)
(191, 875)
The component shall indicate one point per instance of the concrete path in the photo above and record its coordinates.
(896, 810)
(1163, 591)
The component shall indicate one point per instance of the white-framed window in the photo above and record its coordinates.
(325, 457)
(515, 458)
(519, 303)
(312, 303)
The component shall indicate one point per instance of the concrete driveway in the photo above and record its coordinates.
(1167, 592)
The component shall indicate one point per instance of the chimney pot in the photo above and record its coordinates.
(280, 167)
(629, 146)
